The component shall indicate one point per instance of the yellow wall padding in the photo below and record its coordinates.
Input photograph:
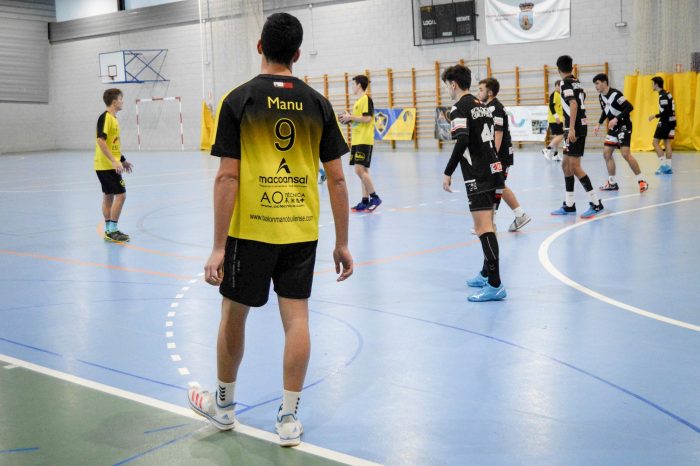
(207, 127)
(685, 88)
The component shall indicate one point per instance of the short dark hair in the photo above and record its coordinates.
(565, 63)
(601, 77)
(362, 80)
(459, 74)
(111, 95)
(281, 37)
(492, 85)
(659, 81)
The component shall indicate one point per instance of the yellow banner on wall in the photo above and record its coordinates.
(207, 127)
(395, 124)
(685, 88)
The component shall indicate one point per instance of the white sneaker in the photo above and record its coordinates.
(204, 403)
(546, 153)
(519, 222)
(289, 428)
(556, 157)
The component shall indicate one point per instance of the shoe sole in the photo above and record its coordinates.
(565, 213)
(521, 225)
(213, 421)
(474, 285)
(609, 189)
(372, 209)
(591, 215)
(498, 298)
(110, 240)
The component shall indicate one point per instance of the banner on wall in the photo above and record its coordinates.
(394, 124)
(516, 21)
(526, 123)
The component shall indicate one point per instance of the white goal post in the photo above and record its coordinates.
(177, 99)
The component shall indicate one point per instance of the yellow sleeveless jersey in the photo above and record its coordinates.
(363, 133)
(107, 128)
(280, 129)
(555, 100)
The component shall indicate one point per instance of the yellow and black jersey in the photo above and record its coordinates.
(555, 108)
(279, 128)
(363, 133)
(107, 129)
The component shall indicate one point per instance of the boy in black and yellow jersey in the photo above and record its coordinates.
(109, 164)
(271, 133)
(555, 118)
(362, 119)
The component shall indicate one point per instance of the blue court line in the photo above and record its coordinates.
(622, 389)
(94, 364)
(358, 350)
(20, 450)
(166, 428)
(151, 450)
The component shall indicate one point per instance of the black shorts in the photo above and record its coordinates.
(361, 154)
(619, 137)
(250, 265)
(557, 129)
(575, 149)
(664, 131)
(111, 181)
(486, 200)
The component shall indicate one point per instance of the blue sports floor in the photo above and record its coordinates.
(594, 357)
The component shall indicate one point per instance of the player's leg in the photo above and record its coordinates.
(595, 205)
(107, 201)
(521, 218)
(660, 135)
(668, 152)
(492, 289)
(568, 207)
(608, 150)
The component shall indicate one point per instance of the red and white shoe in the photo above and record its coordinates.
(204, 403)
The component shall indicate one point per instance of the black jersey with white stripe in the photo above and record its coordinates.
(500, 122)
(615, 105)
(667, 109)
(474, 152)
(572, 91)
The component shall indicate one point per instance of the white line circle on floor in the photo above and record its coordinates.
(543, 254)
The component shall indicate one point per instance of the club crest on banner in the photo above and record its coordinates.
(526, 18)
(380, 122)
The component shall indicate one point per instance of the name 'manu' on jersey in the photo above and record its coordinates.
(279, 128)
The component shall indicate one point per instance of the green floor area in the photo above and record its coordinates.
(47, 421)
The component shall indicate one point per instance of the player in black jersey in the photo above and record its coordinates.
(271, 134)
(488, 90)
(575, 128)
(472, 129)
(616, 109)
(666, 130)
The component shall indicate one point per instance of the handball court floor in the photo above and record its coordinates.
(594, 357)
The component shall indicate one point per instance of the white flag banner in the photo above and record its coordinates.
(514, 21)
(527, 123)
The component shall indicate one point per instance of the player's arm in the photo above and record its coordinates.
(367, 112)
(498, 125)
(338, 194)
(225, 193)
(573, 109)
(459, 127)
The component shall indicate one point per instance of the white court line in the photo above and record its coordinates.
(174, 304)
(182, 411)
(169, 334)
(549, 267)
(179, 296)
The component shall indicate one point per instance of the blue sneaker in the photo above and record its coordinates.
(593, 210)
(565, 210)
(488, 293)
(360, 207)
(322, 174)
(374, 202)
(477, 282)
(664, 169)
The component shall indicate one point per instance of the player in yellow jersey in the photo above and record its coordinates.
(555, 118)
(362, 119)
(271, 134)
(109, 164)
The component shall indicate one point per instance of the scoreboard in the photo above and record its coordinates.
(448, 20)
